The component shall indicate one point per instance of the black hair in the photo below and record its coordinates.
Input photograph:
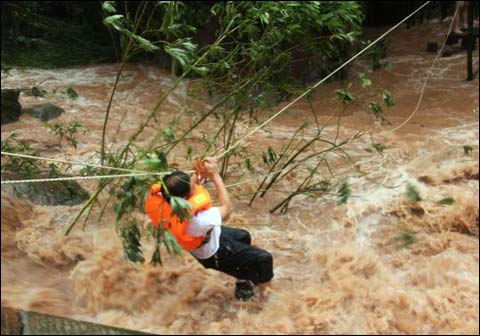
(177, 183)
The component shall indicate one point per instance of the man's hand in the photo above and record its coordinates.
(208, 167)
(211, 166)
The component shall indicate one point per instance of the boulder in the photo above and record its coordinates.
(10, 106)
(44, 112)
(47, 193)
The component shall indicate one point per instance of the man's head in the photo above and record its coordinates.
(178, 184)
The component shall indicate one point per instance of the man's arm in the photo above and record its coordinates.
(211, 170)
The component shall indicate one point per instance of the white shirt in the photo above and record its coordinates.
(199, 225)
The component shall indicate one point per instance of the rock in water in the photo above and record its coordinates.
(44, 112)
(10, 106)
(47, 193)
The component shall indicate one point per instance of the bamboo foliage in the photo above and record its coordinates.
(254, 48)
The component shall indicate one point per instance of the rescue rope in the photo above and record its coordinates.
(70, 178)
(77, 163)
(320, 82)
(53, 179)
(429, 73)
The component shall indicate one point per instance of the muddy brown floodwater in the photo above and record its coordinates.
(339, 269)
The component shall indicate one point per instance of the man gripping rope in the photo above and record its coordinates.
(215, 246)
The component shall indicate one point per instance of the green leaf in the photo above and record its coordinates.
(144, 43)
(379, 147)
(344, 96)
(269, 156)
(265, 157)
(168, 134)
(182, 50)
(53, 172)
(249, 165)
(118, 209)
(156, 256)
(38, 92)
(344, 193)
(153, 164)
(446, 201)
(171, 243)
(71, 93)
(215, 8)
(272, 156)
(162, 160)
(109, 7)
(387, 98)
(189, 153)
(264, 18)
(179, 54)
(115, 21)
(407, 238)
(325, 185)
(412, 194)
(365, 81)
(131, 243)
(202, 71)
(376, 109)
(181, 208)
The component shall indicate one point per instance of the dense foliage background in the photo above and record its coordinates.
(295, 40)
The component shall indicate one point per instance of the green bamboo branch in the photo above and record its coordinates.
(216, 135)
(214, 108)
(281, 157)
(124, 152)
(288, 162)
(229, 139)
(85, 207)
(107, 114)
(177, 82)
(300, 189)
(283, 173)
(117, 79)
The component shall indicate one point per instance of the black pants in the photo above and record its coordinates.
(238, 258)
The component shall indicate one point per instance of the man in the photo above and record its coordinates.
(224, 249)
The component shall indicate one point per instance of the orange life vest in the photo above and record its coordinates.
(158, 209)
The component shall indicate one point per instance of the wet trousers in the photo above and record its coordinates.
(238, 258)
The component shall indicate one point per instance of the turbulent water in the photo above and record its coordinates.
(338, 268)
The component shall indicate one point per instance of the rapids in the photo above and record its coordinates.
(339, 269)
